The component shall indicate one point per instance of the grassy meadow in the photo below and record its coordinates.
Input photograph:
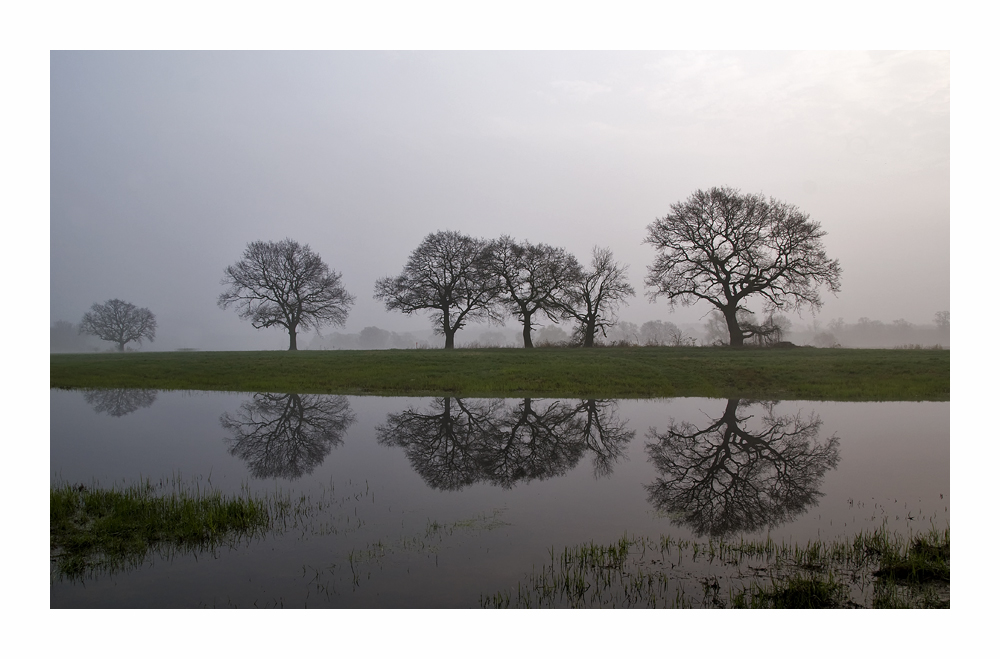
(615, 372)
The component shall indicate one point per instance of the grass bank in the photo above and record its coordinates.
(636, 372)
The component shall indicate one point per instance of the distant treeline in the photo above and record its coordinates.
(866, 333)
(65, 337)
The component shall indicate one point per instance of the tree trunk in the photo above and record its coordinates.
(291, 339)
(449, 331)
(589, 330)
(735, 333)
(526, 332)
(121, 346)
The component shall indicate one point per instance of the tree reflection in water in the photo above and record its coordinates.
(287, 435)
(119, 402)
(458, 442)
(728, 478)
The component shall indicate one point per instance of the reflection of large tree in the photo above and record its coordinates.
(442, 442)
(119, 402)
(535, 441)
(287, 435)
(457, 442)
(729, 478)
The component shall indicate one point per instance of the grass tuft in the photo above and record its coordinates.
(94, 529)
(638, 572)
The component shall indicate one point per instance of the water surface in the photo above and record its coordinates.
(423, 502)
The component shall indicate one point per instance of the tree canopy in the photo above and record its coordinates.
(119, 322)
(596, 294)
(447, 274)
(725, 247)
(533, 278)
(285, 284)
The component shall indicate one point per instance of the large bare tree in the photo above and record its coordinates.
(287, 285)
(533, 278)
(119, 322)
(447, 274)
(597, 294)
(743, 471)
(725, 247)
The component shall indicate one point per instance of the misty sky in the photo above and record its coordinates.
(164, 165)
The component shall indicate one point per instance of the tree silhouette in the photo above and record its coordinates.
(458, 442)
(604, 433)
(287, 285)
(448, 275)
(443, 443)
(119, 402)
(533, 279)
(287, 435)
(724, 247)
(728, 478)
(596, 295)
(535, 442)
(119, 322)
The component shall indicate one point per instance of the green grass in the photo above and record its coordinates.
(648, 372)
(104, 530)
(871, 570)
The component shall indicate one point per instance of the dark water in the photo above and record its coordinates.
(436, 502)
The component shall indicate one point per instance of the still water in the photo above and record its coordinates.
(424, 502)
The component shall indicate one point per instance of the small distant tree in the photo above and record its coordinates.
(624, 332)
(596, 295)
(285, 284)
(373, 338)
(658, 333)
(943, 321)
(448, 274)
(725, 248)
(119, 322)
(552, 335)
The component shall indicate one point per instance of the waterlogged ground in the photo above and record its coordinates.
(402, 502)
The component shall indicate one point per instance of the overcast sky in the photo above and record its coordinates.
(164, 165)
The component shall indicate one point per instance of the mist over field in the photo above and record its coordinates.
(165, 165)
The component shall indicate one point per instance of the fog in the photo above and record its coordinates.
(164, 165)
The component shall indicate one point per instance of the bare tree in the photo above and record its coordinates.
(447, 273)
(597, 294)
(943, 321)
(533, 278)
(660, 333)
(119, 402)
(742, 472)
(119, 322)
(725, 247)
(287, 435)
(457, 442)
(285, 284)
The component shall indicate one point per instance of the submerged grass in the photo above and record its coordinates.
(872, 570)
(95, 529)
(619, 372)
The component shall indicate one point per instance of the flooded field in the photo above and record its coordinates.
(400, 502)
